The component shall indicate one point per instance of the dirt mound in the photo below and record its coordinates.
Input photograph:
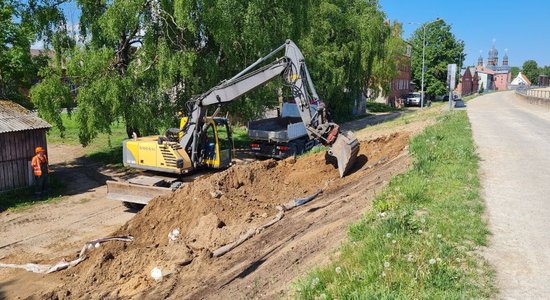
(184, 228)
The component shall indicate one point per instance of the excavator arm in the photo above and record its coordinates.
(292, 66)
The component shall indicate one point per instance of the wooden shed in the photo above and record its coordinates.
(20, 132)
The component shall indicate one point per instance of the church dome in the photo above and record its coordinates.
(493, 52)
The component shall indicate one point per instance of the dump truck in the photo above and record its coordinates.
(282, 136)
(203, 141)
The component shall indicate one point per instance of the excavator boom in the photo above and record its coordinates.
(292, 67)
(192, 149)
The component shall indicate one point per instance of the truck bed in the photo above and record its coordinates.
(277, 130)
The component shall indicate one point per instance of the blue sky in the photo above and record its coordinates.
(523, 27)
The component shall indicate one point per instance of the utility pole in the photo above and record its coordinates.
(423, 57)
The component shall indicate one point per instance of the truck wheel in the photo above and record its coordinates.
(298, 147)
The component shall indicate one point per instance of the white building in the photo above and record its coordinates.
(520, 80)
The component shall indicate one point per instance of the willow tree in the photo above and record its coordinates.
(139, 61)
(22, 23)
(115, 69)
(344, 41)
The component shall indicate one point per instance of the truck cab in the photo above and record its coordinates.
(218, 149)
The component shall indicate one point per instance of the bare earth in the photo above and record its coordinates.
(46, 232)
(262, 267)
(512, 139)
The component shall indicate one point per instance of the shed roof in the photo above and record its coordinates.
(14, 117)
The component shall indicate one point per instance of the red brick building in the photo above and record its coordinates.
(401, 84)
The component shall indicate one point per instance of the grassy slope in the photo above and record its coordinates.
(104, 148)
(420, 240)
(375, 107)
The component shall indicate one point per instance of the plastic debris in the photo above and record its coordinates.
(174, 234)
(46, 269)
(156, 273)
(63, 264)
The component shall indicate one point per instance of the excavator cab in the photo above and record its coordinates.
(217, 150)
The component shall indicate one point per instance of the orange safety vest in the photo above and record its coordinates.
(37, 162)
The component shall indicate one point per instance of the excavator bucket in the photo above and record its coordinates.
(345, 149)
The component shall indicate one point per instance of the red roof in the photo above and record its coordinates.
(524, 78)
(481, 69)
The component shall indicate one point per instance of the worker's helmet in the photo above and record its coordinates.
(38, 149)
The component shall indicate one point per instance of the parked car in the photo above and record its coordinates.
(413, 99)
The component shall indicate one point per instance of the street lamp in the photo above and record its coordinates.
(423, 57)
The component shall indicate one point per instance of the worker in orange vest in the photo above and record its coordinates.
(40, 169)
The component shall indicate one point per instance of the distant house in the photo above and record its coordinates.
(520, 81)
(485, 78)
(401, 84)
(20, 132)
(468, 82)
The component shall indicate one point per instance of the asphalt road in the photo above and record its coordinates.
(513, 140)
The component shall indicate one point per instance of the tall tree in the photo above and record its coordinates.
(21, 23)
(141, 60)
(530, 69)
(347, 38)
(442, 48)
(515, 71)
(387, 65)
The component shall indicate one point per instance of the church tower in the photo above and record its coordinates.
(493, 57)
(505, 58)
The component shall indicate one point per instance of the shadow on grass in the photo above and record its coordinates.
(372, 120)
(24, 197)
(108, 156)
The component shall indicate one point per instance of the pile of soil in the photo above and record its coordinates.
(206, 214)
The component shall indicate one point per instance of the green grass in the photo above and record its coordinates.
(20, 199)
(108, 149)
(421, 238)
(376, 107)
(105, 148)
(240, 137)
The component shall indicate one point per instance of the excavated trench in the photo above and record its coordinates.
(178, 233)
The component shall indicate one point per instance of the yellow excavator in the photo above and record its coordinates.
(204, 141)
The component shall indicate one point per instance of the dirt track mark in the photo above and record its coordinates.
(304, 237)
